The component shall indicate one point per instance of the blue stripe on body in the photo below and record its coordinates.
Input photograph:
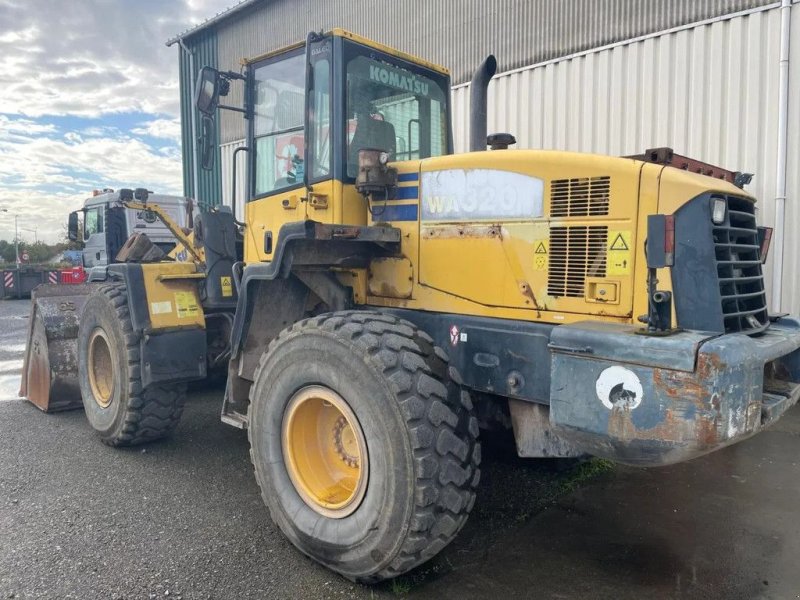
(408, 177)
(407, 193)
(394, 212)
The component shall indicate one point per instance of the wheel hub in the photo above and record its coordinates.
(101, 368)
(324, 451)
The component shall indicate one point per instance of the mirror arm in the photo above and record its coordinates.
(225, 107)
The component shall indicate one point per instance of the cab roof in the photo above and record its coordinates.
(343, 33)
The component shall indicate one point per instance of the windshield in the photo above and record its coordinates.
(393, 108)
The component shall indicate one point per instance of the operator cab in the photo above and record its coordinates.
(358, 97)
(309, 110)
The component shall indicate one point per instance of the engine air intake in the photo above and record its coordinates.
(576, 253)
(580, 197)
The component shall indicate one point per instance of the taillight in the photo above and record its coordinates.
(764, 239)
(669, 238)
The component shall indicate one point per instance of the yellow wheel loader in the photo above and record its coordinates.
(390, 297)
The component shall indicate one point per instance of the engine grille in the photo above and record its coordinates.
(576, 252)
(582, 197)
(741, 282)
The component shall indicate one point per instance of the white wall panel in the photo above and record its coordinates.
(226, 153)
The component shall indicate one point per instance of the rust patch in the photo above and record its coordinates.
(700, 431)
(695, 417)
(444, 232)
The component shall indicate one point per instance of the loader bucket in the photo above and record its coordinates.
(50, 368)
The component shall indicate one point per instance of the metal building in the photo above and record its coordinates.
(712, 79)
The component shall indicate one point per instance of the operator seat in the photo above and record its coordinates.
(370, 133)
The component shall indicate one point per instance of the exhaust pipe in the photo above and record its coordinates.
(477, 103)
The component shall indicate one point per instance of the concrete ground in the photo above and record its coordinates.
(183, 518)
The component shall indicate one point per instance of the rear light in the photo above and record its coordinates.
(718, 211)
(669, 238)
(764, 240)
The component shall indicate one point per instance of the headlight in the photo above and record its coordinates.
(718, 211)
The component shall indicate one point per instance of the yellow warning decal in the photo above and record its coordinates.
(620, 254)
(227, 286)
(541, 249)
(187, 306)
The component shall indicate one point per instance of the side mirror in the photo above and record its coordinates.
(72, 227)
(207, 91)
(207, 144)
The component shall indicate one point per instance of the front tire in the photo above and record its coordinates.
(117, 407)
(372, 392)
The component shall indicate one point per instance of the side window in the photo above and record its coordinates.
(321, 120)
(93, 222)
(278, 121)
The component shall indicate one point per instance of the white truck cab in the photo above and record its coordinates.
(107, 224)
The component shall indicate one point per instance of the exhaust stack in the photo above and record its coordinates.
(477, 103)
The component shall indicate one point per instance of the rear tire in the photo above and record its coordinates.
(388, 379)
(110, 378)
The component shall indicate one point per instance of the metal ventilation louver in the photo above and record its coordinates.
(576, 253)
(741, 282)
(581, 197)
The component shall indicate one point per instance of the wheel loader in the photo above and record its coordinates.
(392, 297)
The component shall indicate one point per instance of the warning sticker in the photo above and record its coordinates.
(186, 304)
(227, 287)
(620, 255)
(540, 255)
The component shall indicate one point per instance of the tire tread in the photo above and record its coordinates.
(150, 414)
(438, 415)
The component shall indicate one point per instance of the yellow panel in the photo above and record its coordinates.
(329, 202)
(172, 302)
(507, 263)
(391, 277)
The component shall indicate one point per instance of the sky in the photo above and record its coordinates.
(88, 99)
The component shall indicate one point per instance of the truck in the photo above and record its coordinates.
(103, 224)
(388, 299)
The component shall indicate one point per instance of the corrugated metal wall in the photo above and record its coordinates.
(710, 92)
(456, 33)
(204, 47)
(226, 164)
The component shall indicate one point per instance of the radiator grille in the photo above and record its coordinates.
(741, 282)
(576, 253)
(582, 197)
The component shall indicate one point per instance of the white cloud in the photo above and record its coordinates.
(160, 128)
(92, 57)
(72, 166)
(63, 64)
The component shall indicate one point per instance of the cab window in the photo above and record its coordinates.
(278, 124)
(393, 109)
(93, 222)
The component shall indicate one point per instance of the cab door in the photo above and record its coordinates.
(276, 87)
(94, 237)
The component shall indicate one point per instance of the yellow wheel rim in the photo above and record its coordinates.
(100, 367)
(325, 451)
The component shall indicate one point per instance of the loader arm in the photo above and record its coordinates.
(185, 240)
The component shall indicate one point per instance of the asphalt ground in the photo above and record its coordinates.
(183, 518)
